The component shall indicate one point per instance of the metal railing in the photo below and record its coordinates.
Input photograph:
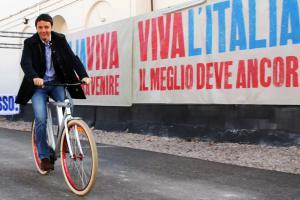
(13, 35)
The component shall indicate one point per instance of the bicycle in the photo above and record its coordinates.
(74, 143)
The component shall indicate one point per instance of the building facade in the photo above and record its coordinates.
(226, 32)
(76, 15)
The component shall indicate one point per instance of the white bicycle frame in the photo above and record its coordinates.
(63, 118)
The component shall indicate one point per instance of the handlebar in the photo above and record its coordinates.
(63, 84)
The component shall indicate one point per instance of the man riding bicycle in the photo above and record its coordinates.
(47, 58)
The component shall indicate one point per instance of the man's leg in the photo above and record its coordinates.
(57, 93)
(39, 101)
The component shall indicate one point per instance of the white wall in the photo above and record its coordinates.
(159, 4)
(81, 14)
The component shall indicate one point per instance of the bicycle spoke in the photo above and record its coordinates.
(84, 173)
(80, 179)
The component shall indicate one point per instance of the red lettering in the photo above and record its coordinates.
(182, 77)
(164, 35)
(106, 86)
(176, 86)
(170, 79)
(292, 71)
(241, 75)
(154, 39)
(90, 51)
(116, 84)
(278, 72)
(86, 89)
(252, 73)
(165, 78)
(189, 76)
(162, 78)
(143, 80)
(143, 37)
(114, 52)
(93, 85)
(111, 85)
(264, 79)
(227, 75)
(102, 86)
(98, 52)
(218, 74)
(209, 75)
(154, 74)
(178, 37)
(105, 49)
(200, 75)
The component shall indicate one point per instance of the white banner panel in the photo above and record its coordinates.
(222, 52)
(9, 80)
(11, 72)
(106, 52)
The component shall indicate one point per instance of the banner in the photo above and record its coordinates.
(106, 52)
(9, 81)
(8, 106)
(222, 52)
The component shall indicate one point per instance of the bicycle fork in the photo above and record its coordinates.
(71, 150)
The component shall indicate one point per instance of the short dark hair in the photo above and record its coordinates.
(44, 17)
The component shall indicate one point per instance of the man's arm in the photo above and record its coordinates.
(26, 62)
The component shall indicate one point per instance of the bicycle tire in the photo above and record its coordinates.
(80, 171)
(36, 158)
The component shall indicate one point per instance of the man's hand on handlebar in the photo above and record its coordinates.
(86, 80)
(38, 82)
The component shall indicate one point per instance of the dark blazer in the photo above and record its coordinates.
(65, 63)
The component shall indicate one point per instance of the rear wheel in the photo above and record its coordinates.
(80, 170)
(36, 158)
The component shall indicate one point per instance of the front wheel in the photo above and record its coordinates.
(80, 170)
(36, 158)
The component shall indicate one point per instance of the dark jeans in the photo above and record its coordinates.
(39, 105)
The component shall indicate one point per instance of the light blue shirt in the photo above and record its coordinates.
(50, 72)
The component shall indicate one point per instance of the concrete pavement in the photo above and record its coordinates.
(130, 174)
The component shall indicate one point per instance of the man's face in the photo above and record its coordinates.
(44, 29)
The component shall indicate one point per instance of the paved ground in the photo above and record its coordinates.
(129, 174)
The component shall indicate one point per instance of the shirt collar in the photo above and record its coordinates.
(46, 43)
